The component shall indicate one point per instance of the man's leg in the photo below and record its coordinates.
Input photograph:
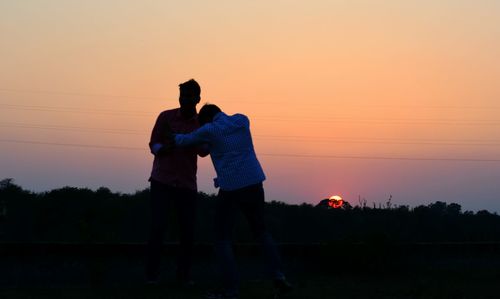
(159, 198)
(224, 223)
(186, 209)
(252, 205)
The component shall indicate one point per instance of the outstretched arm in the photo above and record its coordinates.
(198, 137)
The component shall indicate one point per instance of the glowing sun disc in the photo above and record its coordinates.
(336, 202)
(336, 197)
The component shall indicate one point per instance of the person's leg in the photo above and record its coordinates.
(224, 223)
(252, 205)
(186, 211)
(159, 197)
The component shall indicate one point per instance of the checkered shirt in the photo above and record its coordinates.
(231, 150)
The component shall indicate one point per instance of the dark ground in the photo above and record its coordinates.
(317, 271)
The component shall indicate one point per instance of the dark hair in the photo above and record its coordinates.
(207, 113)
(190, 87)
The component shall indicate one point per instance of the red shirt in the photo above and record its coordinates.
(178, 168)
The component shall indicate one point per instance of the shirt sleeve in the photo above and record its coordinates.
(158, 132)
(155, 148)
(200, 136)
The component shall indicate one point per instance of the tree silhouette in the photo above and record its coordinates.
(82, 215)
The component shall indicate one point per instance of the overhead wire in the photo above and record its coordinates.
(128, 113)
(19, 141)
(263, 137)
(253, 101)
(352, 121)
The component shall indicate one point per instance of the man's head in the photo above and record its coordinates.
(189, 95)
(207, 113)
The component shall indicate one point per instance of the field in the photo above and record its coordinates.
(425, 271)
(439, 285)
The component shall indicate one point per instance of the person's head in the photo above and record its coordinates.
(189, 94)
(207, 113)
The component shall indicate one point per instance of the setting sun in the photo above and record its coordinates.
(336, 201)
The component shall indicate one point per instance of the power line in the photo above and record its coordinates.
(78, 94)
(262, 154)
(72, 128)
(382, 158)
(111, 96)
(378, 138)
(386, 121)
(100, 95)
(73, 145)
(75, 110)
(259, 137)
(327, 140)
(473, 142)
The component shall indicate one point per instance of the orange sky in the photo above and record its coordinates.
(362, 79)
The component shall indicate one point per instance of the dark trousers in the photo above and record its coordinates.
(183, 201)
(250, 200)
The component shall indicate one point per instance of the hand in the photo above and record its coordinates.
(167, 145)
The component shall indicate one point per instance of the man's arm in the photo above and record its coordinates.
(160, 136)
(197, 137)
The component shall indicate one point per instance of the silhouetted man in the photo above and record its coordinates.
(173, 183)
(240, 177)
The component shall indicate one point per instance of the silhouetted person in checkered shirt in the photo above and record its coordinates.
(239, 177)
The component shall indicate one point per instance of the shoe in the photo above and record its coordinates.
(221, 294)
(282, 286)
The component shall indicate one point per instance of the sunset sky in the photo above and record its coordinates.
(357, 98)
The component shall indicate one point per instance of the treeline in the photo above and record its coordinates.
(82, 215)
